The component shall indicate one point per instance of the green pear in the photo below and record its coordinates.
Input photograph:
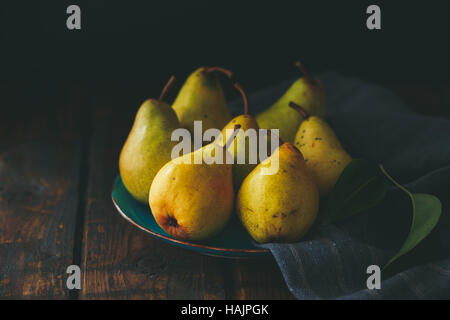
(324, 155)
(305, 91)
(193, 201)
(240, 148)
(279, 207)
(201, 98)
(148, 146)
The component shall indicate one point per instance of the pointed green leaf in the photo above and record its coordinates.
(427, 210)
(360, 187)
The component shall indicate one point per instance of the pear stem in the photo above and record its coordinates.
(226, 72)
(166, 87)
(230, 139)
(299, 109)
(238, 86)
(305, 73)
(270, 133)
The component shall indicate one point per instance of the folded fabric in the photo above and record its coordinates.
(374, 124)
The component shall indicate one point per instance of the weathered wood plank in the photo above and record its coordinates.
(39, 174)
(259, 279)
(120, 261)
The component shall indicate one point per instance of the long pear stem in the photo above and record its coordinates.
(238, 86)
(166, 87)
(299, 109)
(226, 72)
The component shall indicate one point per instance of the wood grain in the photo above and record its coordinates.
(39, 162)
(259, 280)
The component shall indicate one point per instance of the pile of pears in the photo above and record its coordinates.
(193, 201)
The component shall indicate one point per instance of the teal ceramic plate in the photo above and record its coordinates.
(232, 242)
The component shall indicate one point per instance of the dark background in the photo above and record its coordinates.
(137, 45)
(68, 98)
(151, 39)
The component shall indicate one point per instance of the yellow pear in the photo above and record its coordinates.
(148, 146)
(201, 98)
(279, 207)
(306, 91)
(324, 155)
(193, 201)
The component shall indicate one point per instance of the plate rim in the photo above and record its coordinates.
(170, 239)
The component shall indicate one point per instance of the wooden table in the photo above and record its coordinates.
(57, 166)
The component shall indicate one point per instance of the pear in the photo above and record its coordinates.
(280, 207)
(324, 155)
(148, 146)
(201, 98)
(305, 91)
(241, 146)
(193, 201)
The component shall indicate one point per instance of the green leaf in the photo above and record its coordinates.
(360, 187)
(427, 210)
